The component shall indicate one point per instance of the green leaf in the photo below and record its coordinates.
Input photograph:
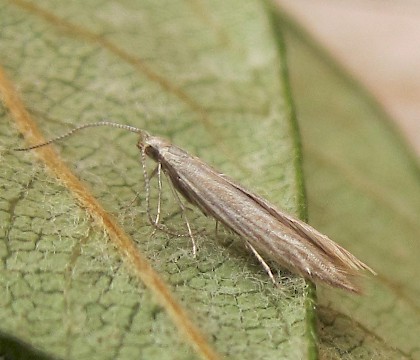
(363, 189)
(207, 75)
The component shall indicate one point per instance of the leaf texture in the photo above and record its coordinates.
(207, 76)
(363, 189)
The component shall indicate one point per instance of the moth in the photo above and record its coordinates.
(271, 234)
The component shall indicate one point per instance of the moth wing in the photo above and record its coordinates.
(321, 241)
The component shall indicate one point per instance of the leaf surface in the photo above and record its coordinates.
(363, 189)
(208, 77)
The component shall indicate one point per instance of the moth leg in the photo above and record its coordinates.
(157, 170)
(130, 204)
(263, 263)
(155, 222)
(154, 171)
(184, 215)
(147, 186)
(159, 175)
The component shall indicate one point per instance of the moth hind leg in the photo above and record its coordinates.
(262, 262)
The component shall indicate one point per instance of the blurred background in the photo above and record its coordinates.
(378, 42)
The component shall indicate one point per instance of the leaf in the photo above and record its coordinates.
(363, 189)
(205, 75)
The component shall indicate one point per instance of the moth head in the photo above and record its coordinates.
(152, 146)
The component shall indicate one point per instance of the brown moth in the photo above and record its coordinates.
(268, 232)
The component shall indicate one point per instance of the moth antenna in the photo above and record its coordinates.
(81, 127)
